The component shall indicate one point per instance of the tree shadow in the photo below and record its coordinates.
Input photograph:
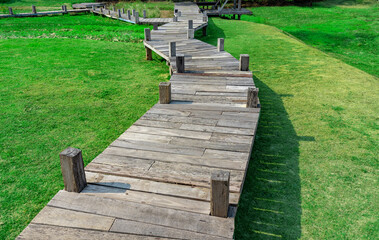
(212, 34)
(270, 204)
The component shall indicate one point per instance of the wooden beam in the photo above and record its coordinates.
(252, 98)
(172, 49)
(244, 62)
(180, 63)
(73, 170)
(147, 34)
(220, 193)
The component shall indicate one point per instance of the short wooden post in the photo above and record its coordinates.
(144, 13)
(252, 98)
(147, 34)
(244, 62)
(155, 26)
(179, 13)
(114, 8)
(164, 92)
(175, 19)
(180, 63)
(176, 11)
(109, 12)
(205, 18)
(123, 10)
(73, 170)
(190, 24)
(220, 193)
(34, 10)
(220, 44)
(134, 13)
(172, 49)
(119, 13)
(128, 14)
(65, 8)
(149, 54)
(10, 11)
(102, 10)
(93, 8)
(205, 31)
(136, 18)
(191, 33)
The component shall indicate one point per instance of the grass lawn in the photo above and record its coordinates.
(62, 91)
(347, 31)
(313, 172)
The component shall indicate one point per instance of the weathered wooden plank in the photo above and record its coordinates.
(68, 218)
(200, 223)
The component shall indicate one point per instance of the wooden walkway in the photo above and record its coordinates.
(153, 182)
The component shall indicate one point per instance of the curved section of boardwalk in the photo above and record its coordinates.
(154, 180)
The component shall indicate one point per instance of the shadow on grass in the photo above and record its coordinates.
(270, 205)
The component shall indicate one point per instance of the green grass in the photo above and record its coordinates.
(59, 92)
(153, 9)
(313, 172)
(347, 31)
(22, 6)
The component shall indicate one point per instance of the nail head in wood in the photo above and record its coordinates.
(180, 63)
(252, 98)
(220, 44)
(244, 62)
(164, 92)
(147, 34)
(73, 170)
(220, 193)
(172, 49)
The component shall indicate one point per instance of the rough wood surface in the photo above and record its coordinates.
(220, 193)
(73, 170)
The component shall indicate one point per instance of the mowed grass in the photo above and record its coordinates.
(158, 9)
(314, 166)
(347, 31)
(21, 6)
(60, 92)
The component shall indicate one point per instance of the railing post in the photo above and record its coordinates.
(93, 8)
(191, 33)
(128, 14)
(119, 13)
(180, 63)
(244, 62)
(123, 10)
(147, 34)
(144, 13)
(190, 24)
(175, 19)
(164, 92)
(73, 170)
(179, 13)
(10, 11)
(114, 8)
(172, 49)
(252, 98)
(155, 26)
(34, 10)
(220, 193)
(220, 44)
(134, 13)
(137, 18)
(205, 18)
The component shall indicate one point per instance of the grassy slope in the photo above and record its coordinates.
(59, 92)
(314, 167)
(348, 32)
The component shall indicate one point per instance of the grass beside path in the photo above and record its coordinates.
(61, 92)
(313, 173)
(349, 32)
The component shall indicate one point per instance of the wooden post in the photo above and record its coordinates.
(93, 8)
(205, 18)
(123, 10)
(144, 13)
(180, 63)
(190, 24)
(10, 11)
(164, 92)
(147, 34)
(179, 13)
(73, 170)
(205, 31)
(114, 8)
(119, 13)
(191, 33)
(137, 18)
(175, 19)
(220, 193)
(239, 4)
(155, 26)
(149, 54)
(220, 44)
(176, 11)
(65, 8)
(239, 16)
(34, 10)
(252, 98)
(172, 49)
(244, 62)
(102, 10)
(234, 4)
(128, 14)
(134, 13)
